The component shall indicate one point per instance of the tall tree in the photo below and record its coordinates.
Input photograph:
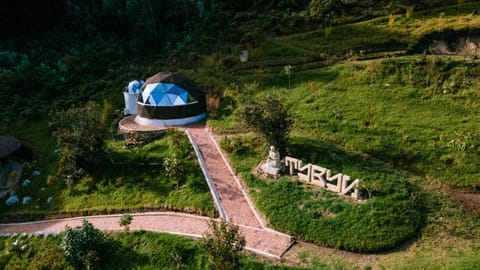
(270, 117)
(80, 131)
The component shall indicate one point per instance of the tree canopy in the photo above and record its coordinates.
(80, 131)
(83, 246)
(271, 118)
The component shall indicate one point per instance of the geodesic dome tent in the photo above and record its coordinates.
(170, 99)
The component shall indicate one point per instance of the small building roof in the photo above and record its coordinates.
(8, 145)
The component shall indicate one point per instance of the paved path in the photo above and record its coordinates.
(232, 198)
(238, 206)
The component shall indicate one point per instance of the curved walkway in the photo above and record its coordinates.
(226, 188)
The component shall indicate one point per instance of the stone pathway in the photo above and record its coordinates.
(238, 206)
(177, 223)
(232, 199)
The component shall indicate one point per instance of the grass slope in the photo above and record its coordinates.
(135, 250)
(373, 38)
(416, 113)
(125, 185)
(391, 216)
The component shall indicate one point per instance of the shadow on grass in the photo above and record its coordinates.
(329, 155)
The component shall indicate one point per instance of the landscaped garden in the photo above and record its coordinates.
(367, 93)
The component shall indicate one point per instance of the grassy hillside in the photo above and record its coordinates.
(366, 102)
(402, 115)
(416, 112)
(390, 35)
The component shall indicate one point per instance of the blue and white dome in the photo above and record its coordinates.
(164, 94)
(170, 99)
(130, 94)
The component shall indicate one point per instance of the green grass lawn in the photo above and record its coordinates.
(382, 121)
(127, 183)
(393, 215)
(414, 113)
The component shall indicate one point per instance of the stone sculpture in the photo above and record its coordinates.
(273, 165)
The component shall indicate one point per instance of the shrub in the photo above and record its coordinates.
(223, 245)
(50, 258)
(79, 130)
(125, 221)
(83, 246)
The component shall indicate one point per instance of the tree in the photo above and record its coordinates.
(125, 221)
(175, 169)
(83, 246)
(269, 117)
(223, 244)
(79, 129)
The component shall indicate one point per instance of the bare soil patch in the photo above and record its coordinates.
(468, 199)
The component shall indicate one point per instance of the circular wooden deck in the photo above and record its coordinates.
(128, 124)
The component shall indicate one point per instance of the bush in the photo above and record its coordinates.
(50, 258)
(270, 117)
(83, 246)
(223, 245)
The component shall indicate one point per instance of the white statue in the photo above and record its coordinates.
(273, 165)
(274, 158)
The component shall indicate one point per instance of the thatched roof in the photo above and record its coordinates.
(8, 145)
